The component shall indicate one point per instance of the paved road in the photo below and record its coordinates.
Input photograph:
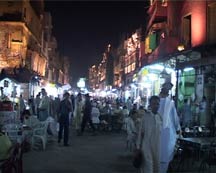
(103, 153)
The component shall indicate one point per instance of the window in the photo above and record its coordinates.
(187, 31)
(16, 36)
(133, 66)
(211, 23)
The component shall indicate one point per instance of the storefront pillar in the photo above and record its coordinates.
(176, 93)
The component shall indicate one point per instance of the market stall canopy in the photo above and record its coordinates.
(66, 87)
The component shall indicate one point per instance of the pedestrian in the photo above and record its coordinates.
(149, 137)
(78, 114)
(22, 106)
(202, 110)
(37, 102)
(87, 115)
(131, 130)
(64, 110)
(170, 128)
(5, 146)
(186, 114)
(43, 106)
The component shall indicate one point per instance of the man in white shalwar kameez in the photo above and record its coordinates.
(170, 127)
(149, 138)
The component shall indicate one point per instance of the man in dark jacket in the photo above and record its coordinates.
(64, 110)
(87, 114)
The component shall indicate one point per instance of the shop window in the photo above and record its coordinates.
(211, 23)
(187, 31)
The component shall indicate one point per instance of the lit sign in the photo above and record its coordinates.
(81, 83)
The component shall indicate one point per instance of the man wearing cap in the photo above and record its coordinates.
(170, 127)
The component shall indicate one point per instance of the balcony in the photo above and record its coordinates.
(157, 13)
(14, 17)
(166, 47)
(157, 8)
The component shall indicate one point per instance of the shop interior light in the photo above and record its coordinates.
(188, 69)
(181, 47)
(153, 77)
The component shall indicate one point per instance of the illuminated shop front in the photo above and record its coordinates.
(10, 88)
(194, 83)
(186, 85)
(150, 79)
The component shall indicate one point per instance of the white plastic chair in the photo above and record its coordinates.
(40, 133)
(14, 132)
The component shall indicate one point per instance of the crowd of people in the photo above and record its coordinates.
(153, 131)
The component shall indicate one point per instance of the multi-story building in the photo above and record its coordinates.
(21, 39)
(66, 69)
(93, 78)
(102, 73)
(27, 47)
(181, 34)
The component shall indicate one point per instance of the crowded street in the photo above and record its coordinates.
(108, 86)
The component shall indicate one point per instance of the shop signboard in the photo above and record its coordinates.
(199, 86)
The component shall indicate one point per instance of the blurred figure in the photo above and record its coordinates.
(125, 114)
(141, 111)
(149, 137)
(5, 145)
(186, 114)
(129, 103)
(106, 113)
(29, 120)
(64, 110)
(72, 102)
(131, 131)
(78, 113)
(56, 107)
(202, 110)
(87, 115)
(170, 128)
(37, 102)
(43, 106)
(22, 106)
(95, 114)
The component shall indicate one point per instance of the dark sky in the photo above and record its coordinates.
(83, 29)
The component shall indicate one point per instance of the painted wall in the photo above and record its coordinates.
(197, 10)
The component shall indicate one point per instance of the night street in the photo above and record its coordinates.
(104, 153)
(139, 73)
